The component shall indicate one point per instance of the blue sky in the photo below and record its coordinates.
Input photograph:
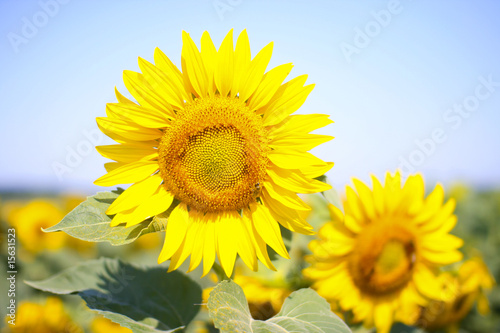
(414, 84)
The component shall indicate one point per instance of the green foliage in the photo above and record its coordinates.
(142, 299)
(303, 311)
(89, 222)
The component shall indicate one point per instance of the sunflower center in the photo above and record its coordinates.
(384, 258)
(214, 156)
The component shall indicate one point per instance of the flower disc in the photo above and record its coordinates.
(214, 157)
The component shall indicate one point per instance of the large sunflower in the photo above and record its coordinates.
(217, 144)
(379, 258)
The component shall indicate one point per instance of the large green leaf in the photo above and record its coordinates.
(89, 222)
(142, 299)
(303, 311)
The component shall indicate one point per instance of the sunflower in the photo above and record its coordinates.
(48, 317)
(217, 146)
(30, 218)
(462, 290)
(379, 258)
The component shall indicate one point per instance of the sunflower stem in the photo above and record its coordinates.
(221, 275)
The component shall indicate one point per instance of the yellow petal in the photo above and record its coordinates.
(135, 194)
(185, 248)
(126, 129)
(175, 75)
(159, 202)
(224, 74)
(366, 196)
(122, 217)
(299, 141)
(122, 99)
(286, 197)
(437, 221)
(378, 196)
(199, 239)
(209, 55)
(225, 241)
(128, 174)
(316, 170)
(426, 281)
(354, 206)
(301, 124)
(244, 244)
(268, 229)
(291, 99)
(125, 152)
(241, 61)
(195, 69)
(440, 242)
(110, 166)
(162, 85)
(295, 182)
(288, 218)
(383, 317)
(259, 244)
(143, 92)
(293, 159)
(145, 117)
(432, 204)
(209, 246)
(268, 86)
(255, 72)
(175, 233)
(441, 258)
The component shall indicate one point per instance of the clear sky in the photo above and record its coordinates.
(414, 84)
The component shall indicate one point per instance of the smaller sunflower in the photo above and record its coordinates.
(49, 317)
(381, 255)
(462, 290)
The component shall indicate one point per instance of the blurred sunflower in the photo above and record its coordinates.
(461, 291)
(104, 325)
(29, 219)
(383, 250)
(50, 317)
(217, 144)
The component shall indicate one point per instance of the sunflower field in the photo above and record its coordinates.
(216, 210)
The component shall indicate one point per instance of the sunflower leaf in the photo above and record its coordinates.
(142, 299)
(303, 311)
(89, 222)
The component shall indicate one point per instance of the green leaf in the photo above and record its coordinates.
(89, 222)
(303, 311)
(142, 299)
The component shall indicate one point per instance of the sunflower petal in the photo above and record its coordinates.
(175, 232)
(129, 173)
(268, 229)
(224, 74)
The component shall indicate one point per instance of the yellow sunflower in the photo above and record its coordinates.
(218, 145)
(462, 290)
(380, 256)
(49, 317)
